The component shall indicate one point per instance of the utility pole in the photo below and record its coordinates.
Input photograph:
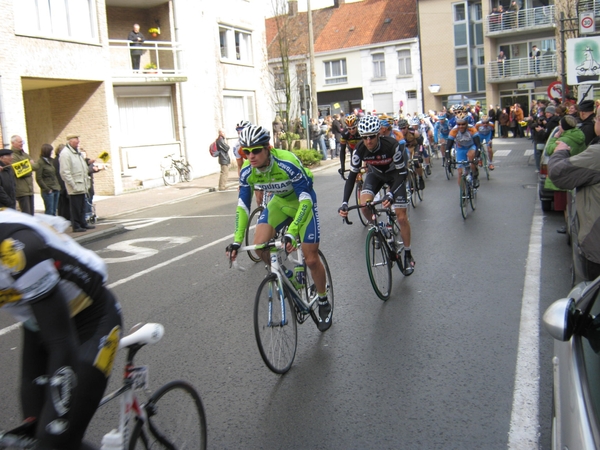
(313, 76)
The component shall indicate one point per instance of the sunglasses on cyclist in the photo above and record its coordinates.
(351, 128)
(253, 150)
(369, 137)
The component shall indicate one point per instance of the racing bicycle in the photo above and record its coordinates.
(176, 170)
(283, 302)
(171, 418)
(383, 249)
(468, 191)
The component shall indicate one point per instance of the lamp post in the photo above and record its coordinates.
(311, 52)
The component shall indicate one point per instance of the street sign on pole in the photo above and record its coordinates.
(587, 23)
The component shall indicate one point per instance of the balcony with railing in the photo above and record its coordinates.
(161, 62)
(588, 6)
(522, 69)
(523, 21)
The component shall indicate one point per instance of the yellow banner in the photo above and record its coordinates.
(22, 168)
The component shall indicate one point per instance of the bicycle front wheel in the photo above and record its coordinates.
(275, 326)
(253, 220)
(484, 161)
(378, 265)
(187, 173)
(170, 176)
(176, 420)
(463, 197)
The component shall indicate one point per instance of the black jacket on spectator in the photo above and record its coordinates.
(8, 191)
(542, 136)
(587, 126)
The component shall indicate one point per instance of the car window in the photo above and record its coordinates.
(591, 356)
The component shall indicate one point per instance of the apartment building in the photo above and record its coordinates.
(366, 57)
(461, 43)
(65, 67)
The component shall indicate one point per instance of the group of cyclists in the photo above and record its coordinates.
(72, 322)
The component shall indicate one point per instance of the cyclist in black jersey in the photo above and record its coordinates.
(71, 325)
(386, 160)
(350, 138)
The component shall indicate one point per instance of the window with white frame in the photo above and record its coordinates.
(236, 44)
(61, 19)
(237, 106)
(378, 65)
(335, 71)
(278, 78)
(404, 64)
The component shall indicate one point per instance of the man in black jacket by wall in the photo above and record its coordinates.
(8, 192)
(587, 116)
(543, 129)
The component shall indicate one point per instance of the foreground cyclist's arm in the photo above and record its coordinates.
(242, 212)
(400, 168)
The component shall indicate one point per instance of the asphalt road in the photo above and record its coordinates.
(431, 368)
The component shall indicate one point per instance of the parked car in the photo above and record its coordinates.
(578, 266)
(574, 323)
(546, 195)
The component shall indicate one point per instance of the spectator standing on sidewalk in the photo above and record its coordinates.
(24, 179)
(337, 129)
(8, 193)
(74, 172)
(64, 206)
(582, 172)
(588, 119)
(47, 180)
(224, 159)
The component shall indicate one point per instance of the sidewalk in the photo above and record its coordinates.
(112, 207)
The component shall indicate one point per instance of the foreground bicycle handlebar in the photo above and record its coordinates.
(373, 203)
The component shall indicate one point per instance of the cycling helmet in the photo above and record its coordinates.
(421, 116)
(243, 124)
(368, 125)
(384, 123)
(485, 119)
(414, 122)
(442, 117)
(351, 120)
(403, 123)
(459, 111)
(253, 136)
(461, 120)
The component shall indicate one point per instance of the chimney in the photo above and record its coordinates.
(337, 3)
(292, 8)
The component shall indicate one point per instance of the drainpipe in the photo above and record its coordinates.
(175, 34)
(2, 119)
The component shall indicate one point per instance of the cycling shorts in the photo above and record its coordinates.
(486, 137)
(373, 182)
(461, 154)
(282, 211)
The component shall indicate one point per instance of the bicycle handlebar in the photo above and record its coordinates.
(368, 204)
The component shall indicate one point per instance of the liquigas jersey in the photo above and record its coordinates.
(285, 177)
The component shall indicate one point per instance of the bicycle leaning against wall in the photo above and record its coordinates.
(175, 170)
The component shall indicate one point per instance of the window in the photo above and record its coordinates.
(404, 65)
(459, 12)
(462, 80)
(383, 103)
(411, 94)
(378, 65)
(60, 19)
(301, 75)
(237, 106)
(236, 45)
(335, 72)
(462, 57)
(146, 118)
(278, 78)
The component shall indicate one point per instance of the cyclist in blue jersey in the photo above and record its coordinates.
(486, 130)
(443, 128)
(294, 204)
(467, 144)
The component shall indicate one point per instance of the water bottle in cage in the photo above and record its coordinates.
(299, 274)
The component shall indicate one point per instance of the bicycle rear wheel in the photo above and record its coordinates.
(378, 264)
(463, 197)
(253, 220)
(176, 420)
(311, 288)
(473, 197)
(275, 326)
(484, 161)
(411, 181)
(170, 176)
(187, 173)
(357, 192)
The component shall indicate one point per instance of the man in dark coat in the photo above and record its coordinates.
(224, 160)
(8, 192)
(587, 116)
(136, 40)
(337, 129)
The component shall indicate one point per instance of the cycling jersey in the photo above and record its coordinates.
(443, 129)
(237, 151)
(292, 186)
(468, 117)
(485, 131)
(72, 324)
(396, 134)
(466, 139)
(411, 139)
(350, 141)
(387, 160)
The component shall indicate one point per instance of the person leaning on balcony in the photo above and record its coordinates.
(24, 182)
(582, 172)
(513, 9)
(586, 114)
(136, 40)
(535, 55)
(501, 63)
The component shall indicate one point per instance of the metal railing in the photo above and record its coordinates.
(522, 68)
(525, 18)
(589, 5)
(164, 55)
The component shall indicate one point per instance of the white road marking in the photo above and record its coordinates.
(524, 422)
(135, 224)
(528, 152)
(138, 252)
(10, 328)
(502, 152)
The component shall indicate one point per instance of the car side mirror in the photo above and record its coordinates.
(559, 319)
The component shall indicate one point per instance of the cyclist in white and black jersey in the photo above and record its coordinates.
(71, 325)
(386, 160)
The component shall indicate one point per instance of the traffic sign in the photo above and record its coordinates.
(555, 90)
(587, 23)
